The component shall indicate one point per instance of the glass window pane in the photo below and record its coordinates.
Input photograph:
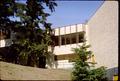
(74, 38)
(81, 37)
(67, 39)
(63, 39)
(56, 41)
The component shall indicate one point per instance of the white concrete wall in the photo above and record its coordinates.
(69, 29)
(63, 64)
(103, 34)
(62, 30)
(65, 49)
(5, 42)
(80, 27)
(2, 43)
(56, 31)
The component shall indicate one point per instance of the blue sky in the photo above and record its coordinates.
(73, 12)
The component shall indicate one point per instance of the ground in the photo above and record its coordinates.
(9, 71)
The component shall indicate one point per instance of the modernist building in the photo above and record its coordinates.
(101, 32)
(66, 38)
(103, 35)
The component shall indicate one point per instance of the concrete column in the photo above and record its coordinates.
(86, 34)
(77, 37)
(65, 34)
(70, 36)
(59, 38)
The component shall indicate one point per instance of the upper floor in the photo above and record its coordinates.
(69, 37)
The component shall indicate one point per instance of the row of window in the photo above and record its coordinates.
(70, 57)
(69, 39)
(58, 40)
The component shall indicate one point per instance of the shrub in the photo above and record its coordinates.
(82, 68)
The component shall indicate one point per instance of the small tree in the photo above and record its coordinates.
(82, 68)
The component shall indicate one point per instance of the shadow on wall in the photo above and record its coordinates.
(111, 72)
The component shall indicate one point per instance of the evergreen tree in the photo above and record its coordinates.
(33, 38)
(7, 9)
(83, 69)
(32, 32)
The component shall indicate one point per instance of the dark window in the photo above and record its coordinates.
(81, 37)
(73, 38)
(69, 57)
(67, 39)
(56, 40)
(55, 57)
(63, 39)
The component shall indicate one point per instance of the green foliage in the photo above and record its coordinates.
(32, 32)
(97, 74)
(36, 39)
(82, 68)
(6, 10)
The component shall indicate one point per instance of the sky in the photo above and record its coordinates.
(72, 12)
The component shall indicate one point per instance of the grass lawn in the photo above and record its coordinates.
(9, 71)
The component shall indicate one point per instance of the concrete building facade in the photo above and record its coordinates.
(103, 36)
(101, 32)
(66, 38)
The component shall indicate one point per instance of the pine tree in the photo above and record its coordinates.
(33, 38)
(32, 32)
(7, 9)
(83, 70)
